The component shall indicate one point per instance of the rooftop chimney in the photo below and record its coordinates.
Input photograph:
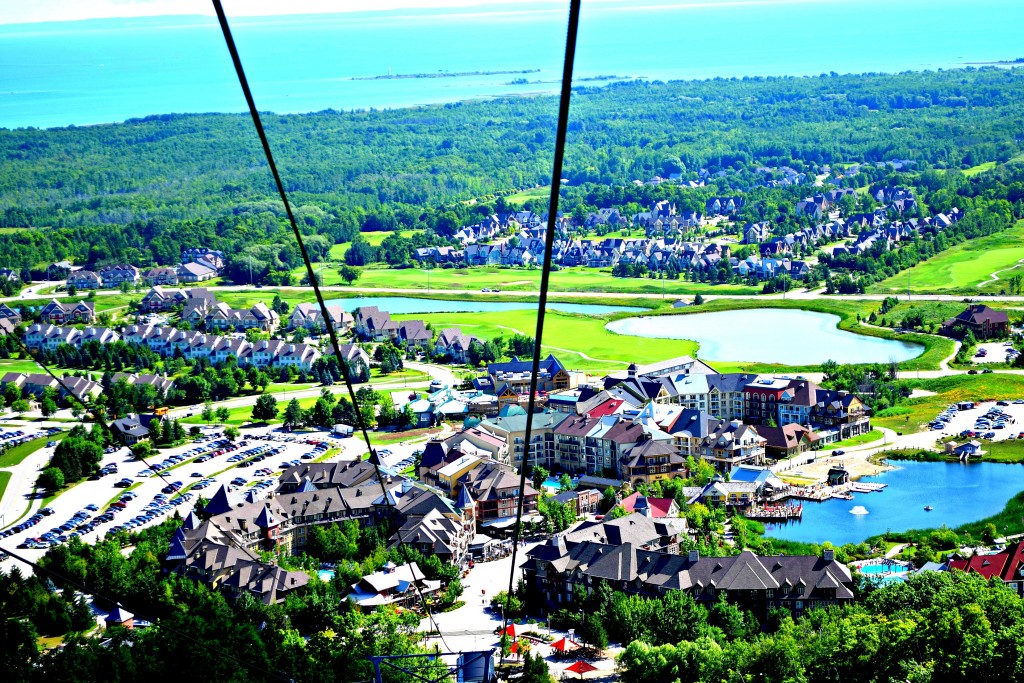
(694, 555)
(828, 554)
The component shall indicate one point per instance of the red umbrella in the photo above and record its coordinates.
(514, 649)
(563, 645)
(510, 631)
(581, 667)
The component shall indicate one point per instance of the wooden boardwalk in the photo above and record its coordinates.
(775, 512)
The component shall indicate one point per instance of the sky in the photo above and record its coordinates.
(32, 11)
(73, 10)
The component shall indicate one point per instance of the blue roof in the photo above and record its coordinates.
(750, 474)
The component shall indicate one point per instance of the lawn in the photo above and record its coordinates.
(859, 440)
(5, 478)
(26, 366)
(337, 252)
(577, 279)
(962, 268)
(520, 198)
(580, 342)
(14, 456)
(914, 413)
(980, 168)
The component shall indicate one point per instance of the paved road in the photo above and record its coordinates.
(385, 291)
(436, 372)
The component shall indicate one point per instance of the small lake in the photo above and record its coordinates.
(405, 304)
(959, 493)
(770, 335)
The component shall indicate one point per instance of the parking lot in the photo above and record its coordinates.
(132, 494)
(992, 420)
(995, 352)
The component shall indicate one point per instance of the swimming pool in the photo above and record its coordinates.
(553, 482)
(326, 574)
(885, 572)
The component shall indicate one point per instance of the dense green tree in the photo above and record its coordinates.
(265, 408)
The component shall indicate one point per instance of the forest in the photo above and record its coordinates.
(142, 190)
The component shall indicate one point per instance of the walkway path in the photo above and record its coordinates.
(994, 276)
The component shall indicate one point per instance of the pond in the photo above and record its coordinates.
(957, 492)
(770, 335)
(405, 304)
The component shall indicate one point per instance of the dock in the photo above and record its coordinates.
(775, 512)
(821, 492)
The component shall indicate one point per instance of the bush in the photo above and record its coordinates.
(51, 479)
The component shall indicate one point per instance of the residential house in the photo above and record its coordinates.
(797, 583)
(642, 531)
(650, 461)
(160, 276)
(398, 586)
(658, 508)
(497, 493)
(374, 324)
(1006, 565)
(160, 299)
(516, 375)
(982, 321)
(453, 343)
(134, 428)
(414, 334)
(196, 272)
(10, 315)
(733, 443)
(310, 317)
(787, 441)
(113, 276)
(83, 279)
(59, 313)
(34, 384)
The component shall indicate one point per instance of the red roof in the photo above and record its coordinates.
(607, 408)
(1005, 564)
(660, 507)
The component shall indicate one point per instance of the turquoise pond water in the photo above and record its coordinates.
(96, 71)
(957, 492)
(770, 335)
(404, 304)
(326, 574)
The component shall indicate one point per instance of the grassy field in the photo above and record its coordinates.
(16, 455)
(243, 414)
(17, 365)
(5, 479)
(962, 268)
(337, 252)
(520, 198)
(521, 279)
(917, 412)
(580, 342)
(980, 168)
(859, 440)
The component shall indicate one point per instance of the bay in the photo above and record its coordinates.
(95, 71)
(957, 492)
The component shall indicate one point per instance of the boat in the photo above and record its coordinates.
(928, 508)
(858, 510)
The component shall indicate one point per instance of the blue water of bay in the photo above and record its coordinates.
(85, 72)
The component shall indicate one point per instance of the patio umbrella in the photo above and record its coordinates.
(563, 645)
(581, 667)
(510, 631)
